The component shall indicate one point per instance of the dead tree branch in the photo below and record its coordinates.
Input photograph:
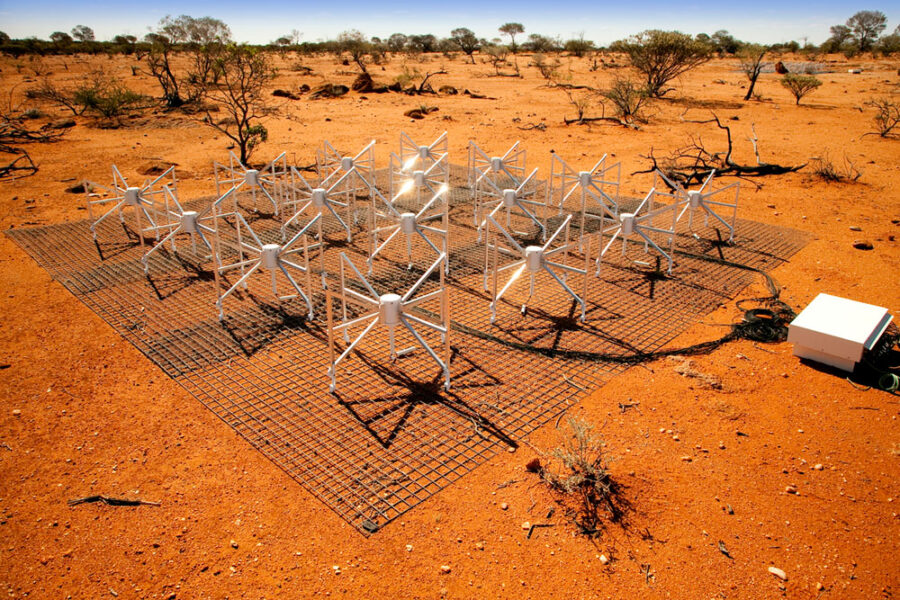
(693, 163)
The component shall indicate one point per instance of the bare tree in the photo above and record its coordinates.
(354, 43)
(512, 30)
(245, 73)
(662, 56)
(204, 38)
(751, 57)
(866, 26)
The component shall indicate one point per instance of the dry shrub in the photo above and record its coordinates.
(887, 114)
(576, 470)
(825, 169)
(628, 99)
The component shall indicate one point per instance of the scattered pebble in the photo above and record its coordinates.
(676, 438)
(855, 228)
(603, 559)
(445, 569)
(504, 506)
(479, 545)
(791, 489)
(721, 445)
(818, 466)
(234, 544)
(686, 458)
(778, 573)
(526, 525)
(409, 547)
(336, 569)
(819, 586)
(16, 412)
(863, 245)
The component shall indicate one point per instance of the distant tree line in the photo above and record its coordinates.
(863, 32)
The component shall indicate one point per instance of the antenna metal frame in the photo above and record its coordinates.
(181, 221)
(702, 199)
(410, 225)
(389, 310)
(480, 166)
(250, 258)
(534, 259)
(362, 165)
(143, 200)
(587, 188)
(624, 225)
(270, 181)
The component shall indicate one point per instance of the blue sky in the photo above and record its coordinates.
(765, 21)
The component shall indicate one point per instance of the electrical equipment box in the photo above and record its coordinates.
(836, 331)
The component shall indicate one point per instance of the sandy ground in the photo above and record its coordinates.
(81, 411)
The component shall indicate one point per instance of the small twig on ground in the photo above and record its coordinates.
(625, 406)
(535, 526)
(111, 501)
(864, 408)
(508, 483)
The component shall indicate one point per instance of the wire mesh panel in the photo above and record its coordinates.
(392, 435)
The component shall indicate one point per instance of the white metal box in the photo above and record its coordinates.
(836, 331)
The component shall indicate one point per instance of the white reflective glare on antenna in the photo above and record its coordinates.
(551, 258)
(430, 224)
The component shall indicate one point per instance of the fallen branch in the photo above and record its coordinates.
(693, 163)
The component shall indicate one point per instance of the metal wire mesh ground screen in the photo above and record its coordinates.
(391, 436)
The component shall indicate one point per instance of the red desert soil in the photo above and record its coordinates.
(83, 412)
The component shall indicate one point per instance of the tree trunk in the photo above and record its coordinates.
(750, 91)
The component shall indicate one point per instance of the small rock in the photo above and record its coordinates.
(721, 445)
(504, 506)
(533, 465)
(336, 569)
(687, 458)
(234, 544)
(526, 525)
(855, 228)
(863, 245)
(818, 466)
(819, 586)
(445, 569)
(479, 545)
(778, 573)
(791, 489)
(16, 412)
(676, 438)
(409, 547)
(603, 559)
